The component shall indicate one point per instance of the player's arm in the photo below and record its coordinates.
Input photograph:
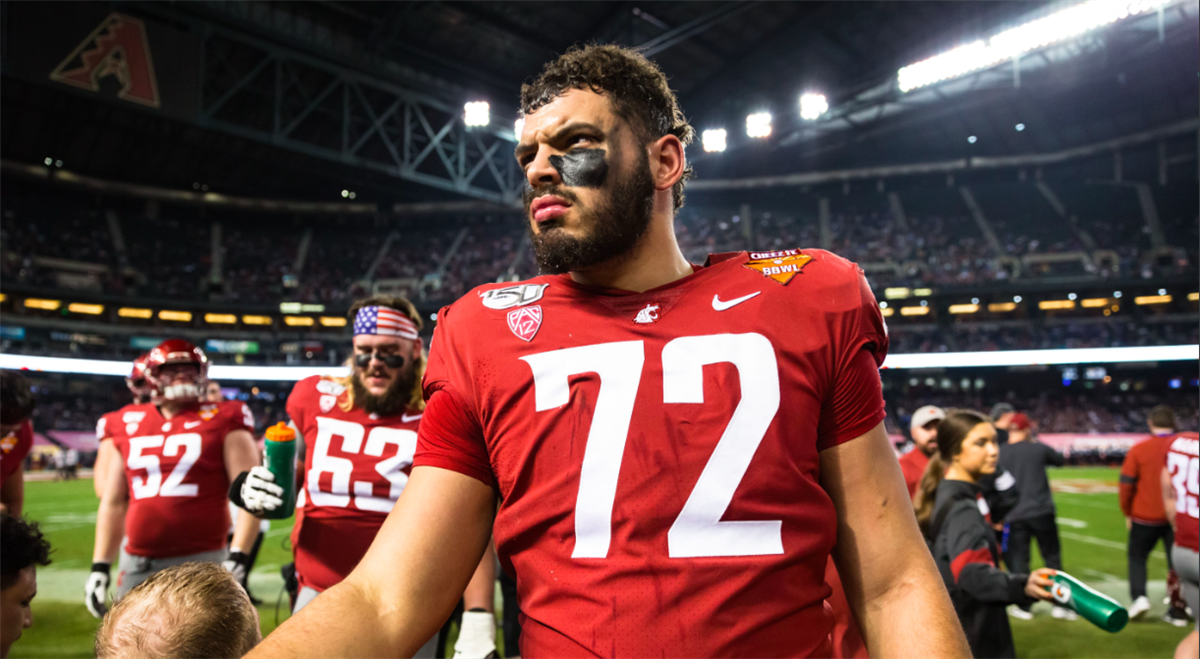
(110, 518)
(1168, 493)
(409, 581)
(893, 586)
(1128, 484)
(104, 456)
(12, 494)
(241, 455)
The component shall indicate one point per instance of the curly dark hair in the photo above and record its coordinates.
(21, 545)
(634, 85)
(16, 399)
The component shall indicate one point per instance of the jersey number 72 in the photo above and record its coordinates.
(698, 530)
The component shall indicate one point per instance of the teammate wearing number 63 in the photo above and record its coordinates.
(359, 434)
(166, 488)
(676, 449)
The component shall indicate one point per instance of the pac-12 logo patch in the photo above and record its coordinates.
(780, 266)
(525, 322)
(327, 402)
(513, 296)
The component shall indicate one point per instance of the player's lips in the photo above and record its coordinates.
(548, 207)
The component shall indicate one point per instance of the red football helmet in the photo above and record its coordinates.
(176, 351)
(138, 386)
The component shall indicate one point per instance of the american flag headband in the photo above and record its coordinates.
(384, 321)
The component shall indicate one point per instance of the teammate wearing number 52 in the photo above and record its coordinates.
(166, 489)
(360, 433)
(676, 448)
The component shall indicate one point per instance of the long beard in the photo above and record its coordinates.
(613, 229)
(393, 401)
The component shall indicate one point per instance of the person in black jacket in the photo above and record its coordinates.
(953, 513)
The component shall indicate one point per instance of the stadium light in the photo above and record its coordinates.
(476, 113)
(89, 309)
(964, 308)
(518, 126)
(896, 293)
(298, 321)
(972, 139)
(3, 297)
(133, 312)
(180, 316)
(1056, 27)
(812, 106)
(1152, 299)
(713, 140)
(758, 124)
(1047, 305)
(1193, 296)
(1094, 302)
(1001, 307)
(220, 318)
(1020, 127)
(887, 313)
(47, 305)
(333, 321)
(256, 320)
(914, 311)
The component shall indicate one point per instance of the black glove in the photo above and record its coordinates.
(96, 590)
(238, 564)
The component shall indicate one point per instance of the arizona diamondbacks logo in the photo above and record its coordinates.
(118, 48)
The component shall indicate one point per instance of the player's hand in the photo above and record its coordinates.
(96, 591)
(476, 636)
(238, 564)
(1039, 583)
(260, 494)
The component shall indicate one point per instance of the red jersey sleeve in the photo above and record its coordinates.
(451, 438)
(860, 342)
(104, 427)
(238, 416)
(14, 448)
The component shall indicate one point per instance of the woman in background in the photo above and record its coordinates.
(955, 518)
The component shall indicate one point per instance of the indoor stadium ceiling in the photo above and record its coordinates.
(724, 59)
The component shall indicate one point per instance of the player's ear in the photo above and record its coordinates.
(667, 161)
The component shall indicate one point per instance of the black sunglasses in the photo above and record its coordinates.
(363, 359)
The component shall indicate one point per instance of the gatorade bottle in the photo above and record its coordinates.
(280, 459)
(1100, 610)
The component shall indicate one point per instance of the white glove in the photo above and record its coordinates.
(259, 492)
(96, 590)
(238, 564)
(476, 636)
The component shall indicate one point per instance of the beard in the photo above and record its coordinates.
(392, 401)
(610, 231)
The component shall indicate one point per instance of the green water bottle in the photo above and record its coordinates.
(1099, 609)
(281, 461)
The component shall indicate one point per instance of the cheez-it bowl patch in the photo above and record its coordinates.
(780, 266)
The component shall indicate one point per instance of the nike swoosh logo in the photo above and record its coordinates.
(404, 418)
(191, 424)
(721, 306)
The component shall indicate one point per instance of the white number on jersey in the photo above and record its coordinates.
(152, 484)
(339, 494)
(1185, 478)
(698, 530)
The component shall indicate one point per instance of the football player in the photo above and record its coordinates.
(166, 490)
(115, 419)
(16, 439)
(676, 448)
(359, 434)
(1181, 496)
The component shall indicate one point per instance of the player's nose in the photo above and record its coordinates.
(541, 172)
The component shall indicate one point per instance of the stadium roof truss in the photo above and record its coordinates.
(269, 93)
(865, 110)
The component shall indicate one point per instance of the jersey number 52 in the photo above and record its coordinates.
(698, 530)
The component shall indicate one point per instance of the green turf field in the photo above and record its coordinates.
(1093, 538)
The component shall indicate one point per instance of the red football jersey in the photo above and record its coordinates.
(1183, 461)
(14, 448)
(110, 424)
(656, 453)
(178, 483)
(356, 465)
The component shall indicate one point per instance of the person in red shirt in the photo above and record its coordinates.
(1142, 504)
(167, 490)
(676, 448)
(359, 434)
(1181, 503)
(924, 434)
(16, 439)
(110, 422)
